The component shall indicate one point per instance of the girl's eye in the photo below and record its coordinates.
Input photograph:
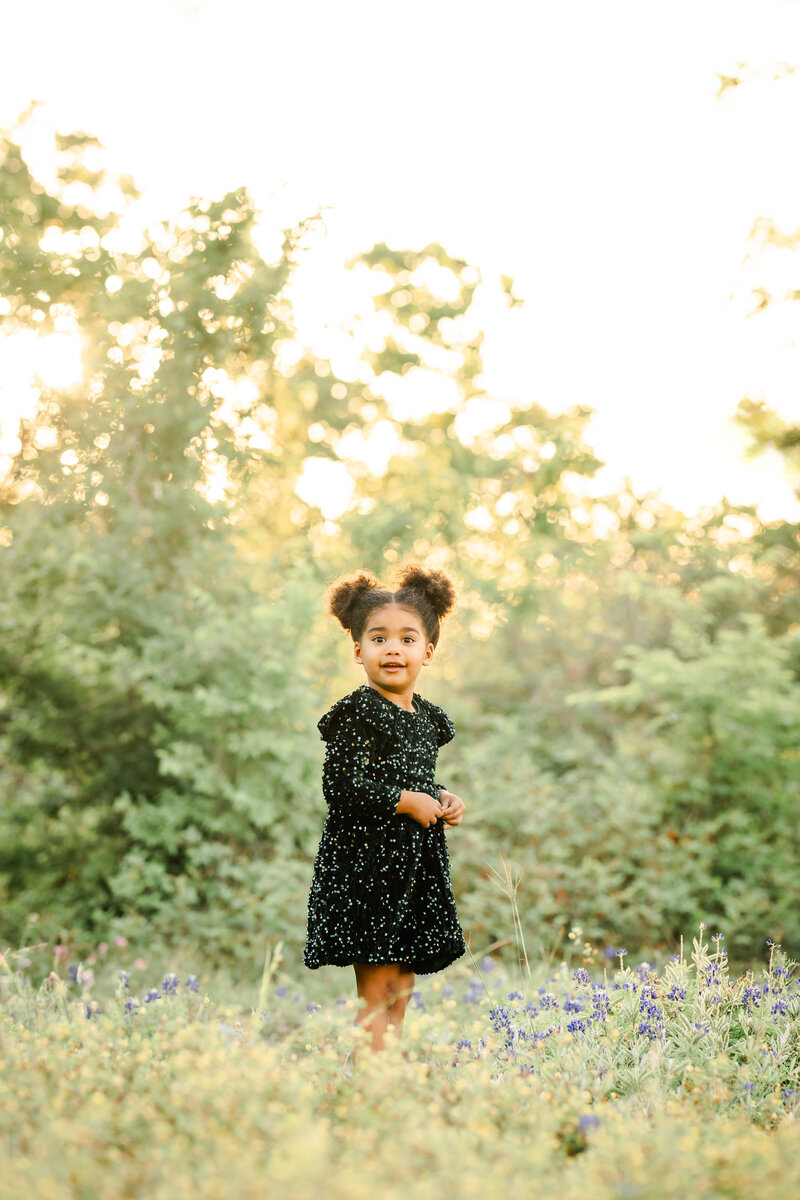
(408, 639)
(377, 638)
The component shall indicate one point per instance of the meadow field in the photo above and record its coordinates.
(596, 1075)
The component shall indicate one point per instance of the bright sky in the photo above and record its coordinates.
(576, 145)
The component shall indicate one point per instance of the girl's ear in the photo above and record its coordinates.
(428, 654)
(357, 651)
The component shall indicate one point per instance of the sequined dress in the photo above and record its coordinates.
(380, 890)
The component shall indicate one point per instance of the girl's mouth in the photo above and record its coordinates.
(392, 666)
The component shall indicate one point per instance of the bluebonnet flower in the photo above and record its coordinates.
(417, 1001)
(609, 952)
(588, 1121)
(548, 1000)
(576, 1026)
(131, 1005)
(488, 964)
(280, 991)
(514, 996)
(153, 994)
(700, 1028)
(580, 975)
(748, 1087)
(192, 984)
(780, 1009)
(125, 980)
(170, 984)
(676, 993)
(571, 1005)
(751, 996)
(652, 1025)
(463, 1045)
(600, 1003)
(73, 971)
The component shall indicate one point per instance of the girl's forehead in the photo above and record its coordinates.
(394, 616)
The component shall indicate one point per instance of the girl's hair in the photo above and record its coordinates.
(429, 593)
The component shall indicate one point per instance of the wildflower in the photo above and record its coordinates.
(417, 1000)
(749, 1087)
(571, 1005)
(120, 941)
(152, 995)
(193, 985)
(170, 984)
(588, 1121)
(102, 947)
(60, 952)
(488, 964)
(576, 1026)
(581, 975)
(280, 991)
(124, 979)
(600, 1003)
(652, 1025)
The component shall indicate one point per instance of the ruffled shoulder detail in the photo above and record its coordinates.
(445, 730)
(365, 706)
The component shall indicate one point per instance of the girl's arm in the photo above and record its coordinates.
(348, 779)
(347, 776)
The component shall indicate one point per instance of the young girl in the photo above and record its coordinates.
(380, 895)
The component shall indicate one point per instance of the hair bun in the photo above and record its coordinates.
(345, 595)
(434, 585)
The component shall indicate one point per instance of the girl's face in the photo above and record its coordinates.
(393, 649)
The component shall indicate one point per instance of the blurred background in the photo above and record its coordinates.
(289, 291)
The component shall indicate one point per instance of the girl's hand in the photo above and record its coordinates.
(453, 807)
(423, 808)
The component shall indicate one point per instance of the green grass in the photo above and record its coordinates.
(584, 1077)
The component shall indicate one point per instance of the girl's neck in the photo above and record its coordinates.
(403, 700)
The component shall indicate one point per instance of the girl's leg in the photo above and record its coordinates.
(378, 985)
(405, 987)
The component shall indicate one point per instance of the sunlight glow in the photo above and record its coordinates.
(326, 485)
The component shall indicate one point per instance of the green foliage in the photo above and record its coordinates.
(624, 679)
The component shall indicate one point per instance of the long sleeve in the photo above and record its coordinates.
(350, 770)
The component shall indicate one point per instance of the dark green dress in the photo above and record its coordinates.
(380, 891)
